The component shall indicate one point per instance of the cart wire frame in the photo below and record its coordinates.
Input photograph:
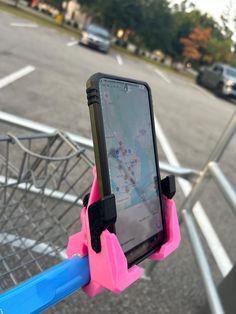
(43, 179)
(54, 249)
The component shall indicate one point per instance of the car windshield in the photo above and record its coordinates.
(231, 72)
(99, 31)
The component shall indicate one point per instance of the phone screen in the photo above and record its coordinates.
(131, 161)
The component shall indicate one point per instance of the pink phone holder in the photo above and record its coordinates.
(109, 268)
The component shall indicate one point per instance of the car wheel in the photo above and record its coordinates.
(219, 89)
(199, 79)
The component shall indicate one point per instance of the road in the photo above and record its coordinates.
(53, 92)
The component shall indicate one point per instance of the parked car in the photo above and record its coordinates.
(219, 77)
(96, 37)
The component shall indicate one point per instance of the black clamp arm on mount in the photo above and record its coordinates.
(168, 187)
(102, 214)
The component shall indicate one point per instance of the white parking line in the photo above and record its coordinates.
(24, 25)
(216, 247)
(158, 72)
(16, 75)
(72, 43)
(119, 59)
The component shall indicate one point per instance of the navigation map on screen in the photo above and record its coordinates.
(131, 160)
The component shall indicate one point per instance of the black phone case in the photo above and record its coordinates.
(100, 151)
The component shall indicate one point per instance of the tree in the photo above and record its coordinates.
(195, 43)
(157, 25)
(227, 19)
(183, 6)
(185, 22)
(218, 51)
(114, 14)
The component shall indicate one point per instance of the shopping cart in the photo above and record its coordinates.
(43, 179)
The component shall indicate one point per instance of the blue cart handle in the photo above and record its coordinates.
(47, 288)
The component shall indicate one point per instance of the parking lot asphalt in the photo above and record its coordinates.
(192, 119)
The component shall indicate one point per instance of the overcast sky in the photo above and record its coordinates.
(215, 8)
(212, 7)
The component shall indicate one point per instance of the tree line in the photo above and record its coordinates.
(180, 31)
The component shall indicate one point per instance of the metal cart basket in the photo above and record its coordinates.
(43, 179)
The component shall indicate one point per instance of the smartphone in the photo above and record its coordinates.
(123, 131)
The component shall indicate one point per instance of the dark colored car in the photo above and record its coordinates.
(219, 77)
(96, 37)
